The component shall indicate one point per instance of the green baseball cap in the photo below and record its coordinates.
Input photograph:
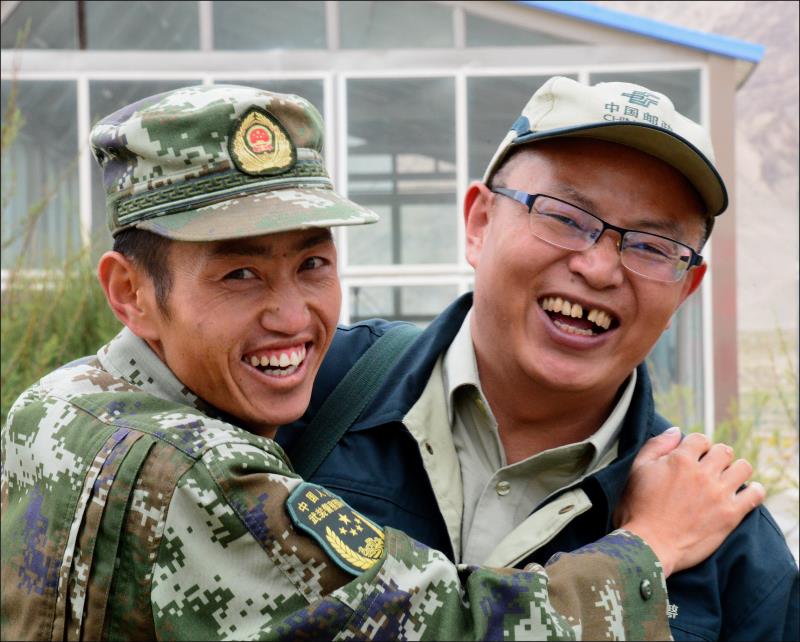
(218, 162)
(622, 113)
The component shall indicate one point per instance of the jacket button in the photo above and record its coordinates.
(502, 488)
(646, 589)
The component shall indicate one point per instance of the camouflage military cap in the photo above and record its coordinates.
(218, 162)
(622, 113)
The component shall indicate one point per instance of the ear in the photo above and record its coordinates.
(693, 280)
(130, 293)
(690, 284)
(477, 204)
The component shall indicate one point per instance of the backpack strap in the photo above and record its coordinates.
(352, 394)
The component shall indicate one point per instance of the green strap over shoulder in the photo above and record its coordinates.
(353, 393)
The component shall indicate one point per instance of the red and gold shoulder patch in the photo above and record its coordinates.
(259, 145)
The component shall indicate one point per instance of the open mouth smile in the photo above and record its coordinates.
(572, 318)
(277, 363)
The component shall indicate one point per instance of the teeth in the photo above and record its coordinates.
(283, 364)
(284, 372)
(575, 310)
(568, 328)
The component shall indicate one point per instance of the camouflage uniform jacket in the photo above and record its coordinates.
(130, 512)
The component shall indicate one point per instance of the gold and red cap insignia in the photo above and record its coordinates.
(260, 146)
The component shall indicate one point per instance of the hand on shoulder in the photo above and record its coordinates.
(684, 497)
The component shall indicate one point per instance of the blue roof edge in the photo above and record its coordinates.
(710, 42)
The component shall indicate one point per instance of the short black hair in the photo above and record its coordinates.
(150, 252)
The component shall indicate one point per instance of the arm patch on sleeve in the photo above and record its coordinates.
(351, 540)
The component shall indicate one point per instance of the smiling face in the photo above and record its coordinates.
(574, 321)
(249, 321)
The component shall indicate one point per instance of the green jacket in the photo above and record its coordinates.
(131, 510)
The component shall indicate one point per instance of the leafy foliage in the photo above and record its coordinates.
(50, 316)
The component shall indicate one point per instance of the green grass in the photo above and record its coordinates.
(48, 320)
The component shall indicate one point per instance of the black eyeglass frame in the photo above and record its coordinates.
(528, 201)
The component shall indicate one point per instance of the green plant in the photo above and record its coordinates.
(50, 320)
(762, 424)
(49, 316)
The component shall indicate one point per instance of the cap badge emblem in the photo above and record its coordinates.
(260, 146)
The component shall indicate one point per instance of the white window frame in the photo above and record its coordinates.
(458, 62)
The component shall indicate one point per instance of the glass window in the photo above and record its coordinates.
(53, 25)
(106, 97)
(40, 211)
(146, 24)
(482, 32)
(682, 86)
(418, 304)
(310, 89)
(493, 104)
(401, 162)
(269, 25)
(394, 25)
(676, 368)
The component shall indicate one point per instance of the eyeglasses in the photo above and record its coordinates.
(572, 228)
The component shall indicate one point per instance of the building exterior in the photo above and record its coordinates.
(415, 95)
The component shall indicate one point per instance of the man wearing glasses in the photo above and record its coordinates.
(507, 430)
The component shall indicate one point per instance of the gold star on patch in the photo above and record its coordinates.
(344, 519)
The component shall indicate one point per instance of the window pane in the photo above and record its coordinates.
(682, 87)
(145, 24)
(53, 25)
(395, 25)
(312, 90)
(106, 97)
(676, 368)
(482, 32)
(401, 162)
(269, 25)
(493, 104)
(418, 304)
(40, 174)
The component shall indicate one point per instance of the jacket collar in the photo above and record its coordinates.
(129, 358)
(406, 381)
(640, 424)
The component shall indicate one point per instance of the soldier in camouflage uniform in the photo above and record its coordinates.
(142, 496)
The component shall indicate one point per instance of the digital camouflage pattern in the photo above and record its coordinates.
(215, 162)
(132, 510)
